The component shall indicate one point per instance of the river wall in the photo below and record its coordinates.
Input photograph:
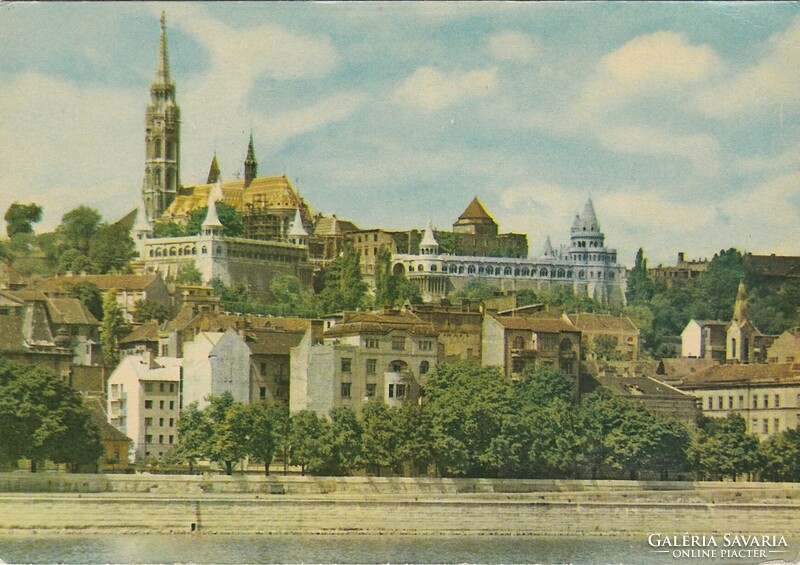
(319, 505)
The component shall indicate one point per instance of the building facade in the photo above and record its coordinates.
(363, 356)
(586, 265)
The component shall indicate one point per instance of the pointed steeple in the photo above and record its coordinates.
(589, 217)
(250, 163)
(213, 171)
(429, 245)
(741, 310)
(212, 225)
(548, 248)
(162, 70)
(297, 232)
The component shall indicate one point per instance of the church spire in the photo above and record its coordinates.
(213, 171)
(250, 163)
(162, 71)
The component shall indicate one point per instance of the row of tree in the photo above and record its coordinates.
(476, 423)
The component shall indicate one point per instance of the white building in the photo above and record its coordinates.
(215, 363)
(144, 403)
(586, 265)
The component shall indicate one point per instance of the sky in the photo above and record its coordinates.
(680, 120)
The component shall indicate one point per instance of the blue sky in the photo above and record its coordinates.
(680, 120)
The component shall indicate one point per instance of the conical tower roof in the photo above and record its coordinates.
(213, 171)
(475, 211)
(298, 229)
(250, 163)
(547, 251)
(212, 220)
(428, 239)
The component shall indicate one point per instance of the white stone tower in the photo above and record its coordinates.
(162, 138)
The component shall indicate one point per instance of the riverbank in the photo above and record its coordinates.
(58, 503)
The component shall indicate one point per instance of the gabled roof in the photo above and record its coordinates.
(103, 282)
(359, 323)
(11, 337)
(70, 311)
(331, 225)
(272, 342)
(588, 322)
(538, 325)
(640, 387)
(675, 369)
(720, 375)
(475, 211)
(146, 333)
(100, 419)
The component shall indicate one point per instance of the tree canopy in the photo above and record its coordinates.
(21, 217)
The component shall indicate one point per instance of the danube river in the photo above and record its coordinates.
(188, 548)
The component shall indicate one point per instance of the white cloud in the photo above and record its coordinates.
(428, 89)
(788, 160)
(701, 150)
(512, 46)
(771, 83)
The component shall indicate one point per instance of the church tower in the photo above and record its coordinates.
(162, 138)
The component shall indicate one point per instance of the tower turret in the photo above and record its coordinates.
(429, 245)
(212, 225)
(297, 233)
(162, 138)
(250, 163)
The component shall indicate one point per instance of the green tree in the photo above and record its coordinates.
(229, 426)
(640, 287)
(476, 289)
(266, 431)
(231, 220)
(605, 347)
(386, 292)
(780, 455)
(291, 297)
(345, 440)
(307, 445)
(415, 449)
(168, 229)
(21, 217)
(42, 418)
(111, 249)
(189, 274)
(723, 448)
(146, 310)
(75, 233)
(718, 287)
(110, 328)
(671, 444)
(343, 287)
(193, 432)
(90, 296)
(379, 437)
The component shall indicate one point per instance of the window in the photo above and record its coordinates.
(262, 392)
(730, 403)
(161, 439)
(755, 402)
(766, 401)
(148, 387)
(346, 364)
(172, 387)
(161, 404)
(755, 425)
(776, 425)
(400, 391)
(741, 401)
(518, 366)
(710, 403)
(114, 391)
(424, 367)
(372, 366)
(519, 343)
(263, 368)
(161, 387)
(765, 426)
(172, 405)
(371, 343)
(777, 401)
(172, 439)
(371, 389)
(282, 392)
(172, 422)
(719, 403)
(398, 343)
(426, 345)
(148, 404)
(161, 422)
(391, 391)
(148, 422)
(346, 390)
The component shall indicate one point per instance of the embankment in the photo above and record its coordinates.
(320, 505)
